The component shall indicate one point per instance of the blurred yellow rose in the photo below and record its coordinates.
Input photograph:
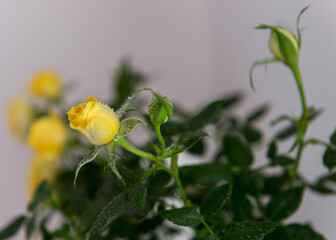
(19, 115)
(96, 121)
(47, 135)
(46, 84)
(43, 167)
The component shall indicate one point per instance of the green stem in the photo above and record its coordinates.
(207, 226)
(122, 142)
(174, 164)
(303, 121)
(299, 82)
(160, 138)
(173, 171)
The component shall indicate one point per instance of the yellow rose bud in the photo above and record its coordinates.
(96, 121)
(42, 167)
(19, 115)
(46, 84)
(47, 135)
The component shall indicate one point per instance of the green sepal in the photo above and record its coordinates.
(123, 108)
(88, 158)
(298, 25)
(257, 64)
(110, 154)
(127, 126)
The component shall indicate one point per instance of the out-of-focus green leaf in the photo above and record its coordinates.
(283, 160)
(272, 151)
(292, 129)
(238, 153)
(215, 200)
(246, 230)
(278, 234)
(329, 159)
(257, 113)
(127, 80)
(207, 174)
(284, 204)
(187, 216)
(208, 237)
(12, 227)
(302, 231)
(137, 196)
(30, 227)
(251, 134)
(42, 194)
(275, 183)
(211, 113)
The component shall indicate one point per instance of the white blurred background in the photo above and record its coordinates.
(195, 51)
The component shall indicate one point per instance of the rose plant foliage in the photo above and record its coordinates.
(87, 173)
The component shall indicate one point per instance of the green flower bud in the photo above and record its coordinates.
(284, 45)
(160, 109)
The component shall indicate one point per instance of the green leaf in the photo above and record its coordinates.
(284, 204)
(42, 194)
(238, 153)
(329, 159)
(110, 154)
(302, 231)
(207, 174)
(187, 216)
(258, 113)
(88, 158)
(246, 230)
(127, 126)
(12, 227)
(137, 196)
(109, 213)
(215, 200)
